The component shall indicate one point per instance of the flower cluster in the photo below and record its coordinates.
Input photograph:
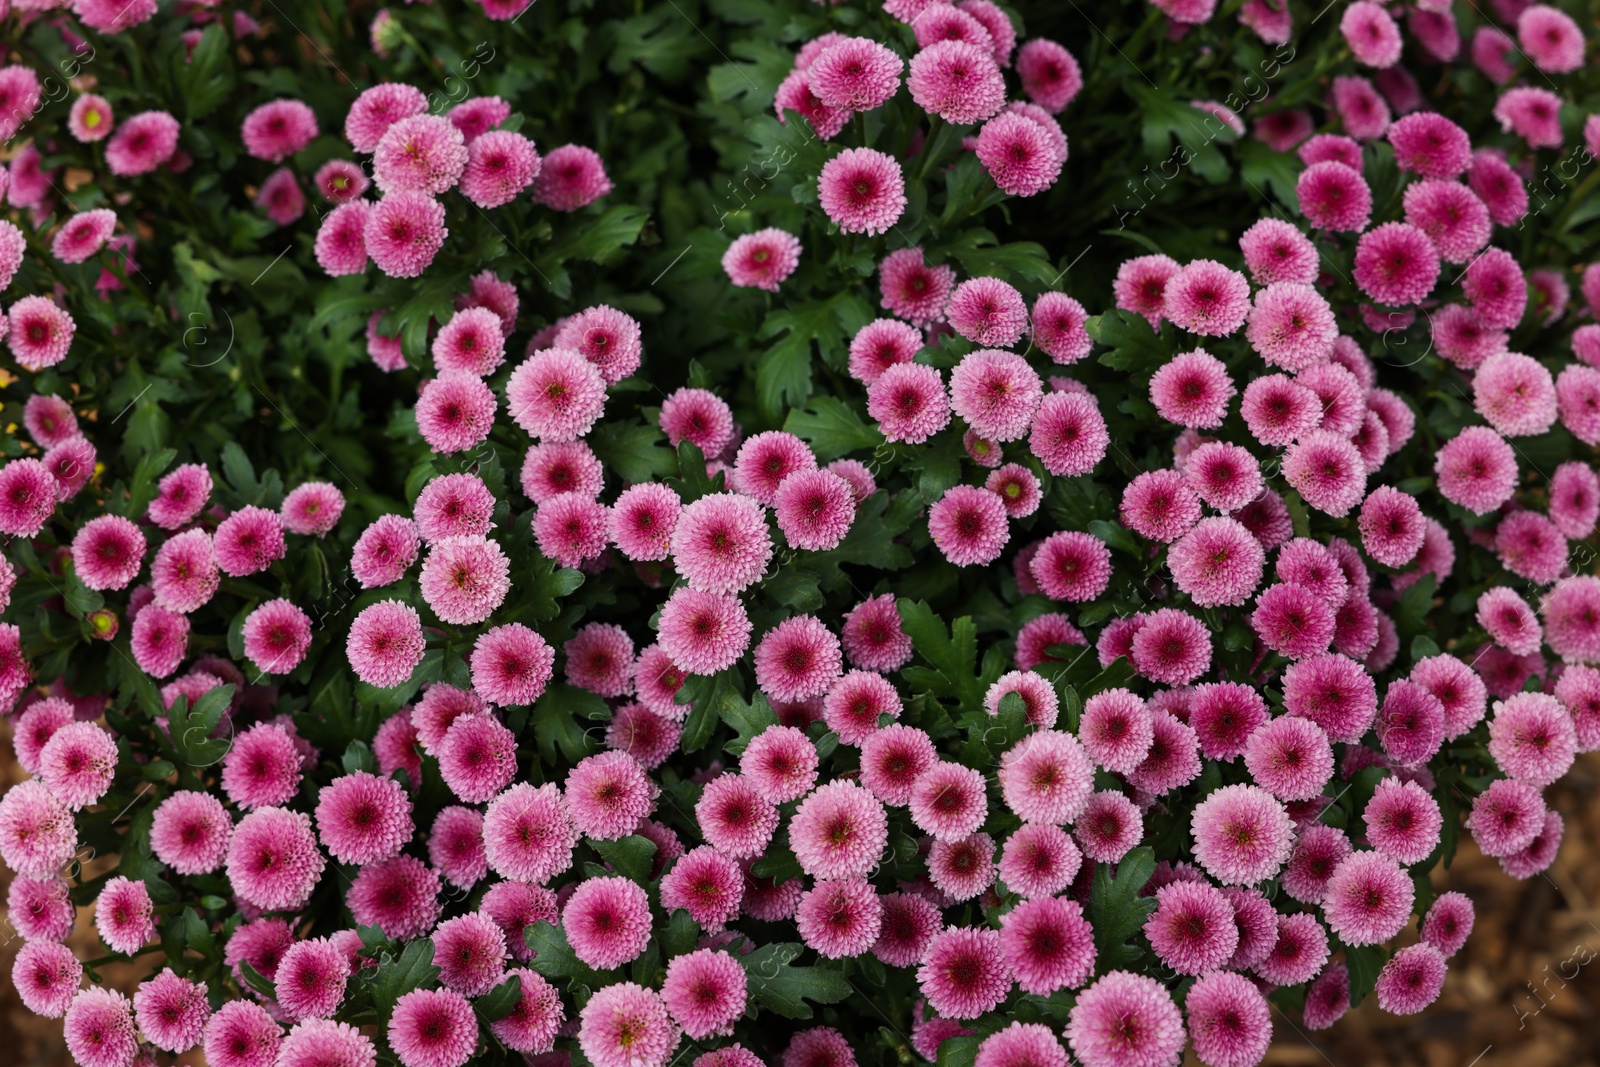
(926, 649)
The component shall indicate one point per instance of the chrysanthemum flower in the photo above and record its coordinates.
(626, 1025)
(862, 189)
(1192, 389)
(840, 918)
(913, 290)
(99, 1029)
(909, 402)
(1171, 646)
(1531, 113)
(1206, 298)
(273, 860)
(1126, 1020)
(1069, 434)
(142, 143)
(1192, 929)
(964, 973)
(341, 239)
(1291, 326)
(46, 976)
(958, 81)
(1242, 834)
(762, 260)
(1368, 899)
(1019, 154)
(91, 118)
(855, 74)
(160, 640)
(1050, 75)
(40, 333)
(642, 521)
(404, 231)
(1334, 197)
(1299, 950)
(997, 393)
(573, 176)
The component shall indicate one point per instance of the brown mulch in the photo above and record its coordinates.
(1505, 1002)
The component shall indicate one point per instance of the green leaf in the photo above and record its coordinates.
(959, 1051)
(680, 935)
(237, 469)
(1135, 348)
(595, 239)
(952, 652)
(635, 451)
(1364, 964)
(785, 989)
(553, 956)
(557, 723)
(358, 757)
(499, 1001)
(413, 969)
(191, 728)
(833, 428)
(142, 488)
(254, 979)
(630, 857)
(1117, 911)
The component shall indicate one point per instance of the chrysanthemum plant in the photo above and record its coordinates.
(938, 595)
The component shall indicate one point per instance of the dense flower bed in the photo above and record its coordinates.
(759, 532)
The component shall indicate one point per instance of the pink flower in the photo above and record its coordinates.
(160, 640)
(1192, 929)
(340, 181)
(964, 973)
(763, 259)
(385, 551)
(969, 525)
(1218, 562)
(626, 1025)
(432, 1027)
(1368, 899)
(378, 108)
(107, 552)
(1069, 434)
(1019, 154)
(1242, 834)
(705, 992)
(604, 336)
(607, 920)
(280, 197)
(1402, 821)
(1192, 389)
(1532, 114)
(1551, 39)
(703, 632)
(1372, 35)
(99, 1029)
(642, 521)
(1396, 264)
(190, 831)
(1171, 646)
(1072, 566)
(1299, 950)
(1126, 1020)
(892, 759)
(84, 234)
(1229, 1021)
(1050, 75)
(1276, 251)
(1327, 471)
(1429, 144)
(997, 393)
(511, 665)
(385, 643)
(913, 290)
(1160, 505)
(142, 143)
(720, 543)
(855, 74)
(862, 189)
(262, 768)
(40, 333)
(277, 635)
(277, 130)
(556, 394)
(500, 164)
(273, 861)
(838, 831)
(840, 918)
(1291, 326)
(404, 231)
(572, 177)
(1206, 298)
(958, 81)
(1531, 737)
(90, 119)
(46, 976)
(909, 402)
(124, 915)
(1048, 776)
(310, 980)
(1334, 197)
(1048, 945)
(1448, 923)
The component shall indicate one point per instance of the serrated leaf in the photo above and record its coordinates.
(1364, 964)
(631, 857)
(783, 988)
(1117, 911)
(396, 976)
(833, 428)
(633, 450)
